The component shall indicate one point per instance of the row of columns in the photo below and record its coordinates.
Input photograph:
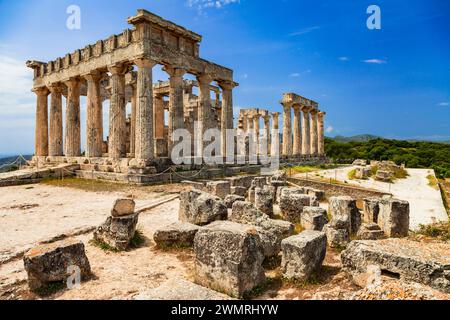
(306, 135)
(142, 115)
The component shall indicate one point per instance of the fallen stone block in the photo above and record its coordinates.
(242, 181)
(54, 262)
(117, 232)
(370, 231)
(219, 188)
(201, 208)
(123, 207)
(246, 213)
(318, 194)
(181, 290)
(371, 210)
(303, 254)
(292, 204)
(239, 191)
(336, 238)
(178, 234)
(345, 214)
(231, 199)
(228, 258)
(314, 218)
(426, 263)
(394, 217)
(264, 200)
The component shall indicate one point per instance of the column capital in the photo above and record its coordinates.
(314, 112)
(144, 63)
(119, 69)
(204, 78)
(227, 85)
(306, 109)
(41, 91)
(72, 82)
(174, 71)
(55, 88)
(93, 76)
(321, 114)
(297, 108)
(287, 106)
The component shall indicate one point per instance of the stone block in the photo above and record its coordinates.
(201, 208)
(264, 200)
(345, 214)
(336, 238)
(303, 254)
(49, 263)
(123, 207)
(117, 232)
(318, 194)
(178, 234)
(228, 258)
(231, 199)
(371, 210)
(239, 191)
(246, 213)
(314, 218)
(291, 205)
(219, 188)
(370, 231)
(394, 217)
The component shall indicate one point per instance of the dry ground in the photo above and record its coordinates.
(30, 213)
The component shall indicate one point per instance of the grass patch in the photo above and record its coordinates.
(305, 169)
(138, 240)
(439, 230)
(50, 289)
(298, 228)
(103, 246)
(301, 284)
(260, 289)
(174, 247)
(400, 173)
(352, 174)
(433, 182)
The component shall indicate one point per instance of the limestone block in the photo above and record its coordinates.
(314, 218)
(318, 194)
(50, 262)
(178, 234)
(394, 217)
(201, 208)
(291, 205)
(117, 232)
(370, 231)
(360, 162)
(426, 263)
(303, 254)
(246, 213)
(231, 199)
(239, 191)
(228, 258)
(219, 188)
(123, 207)
(345, 214)
(371, 210)
(336, 238)
(264, 200)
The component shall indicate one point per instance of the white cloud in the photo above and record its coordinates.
(304, 31)
(295, 75)
(202, 5)
(444, 104)
(244, 76)
(375, 61)
(329, 129)
(344, 58)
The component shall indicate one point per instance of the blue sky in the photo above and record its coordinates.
(393, 82)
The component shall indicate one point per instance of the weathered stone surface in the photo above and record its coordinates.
(360, 162)
(123, 207)
(384, 176)
(219, 188)
(394, 217)
(303, 254)
(228, 258)
(427, 263)
(178, 234)
(244, 181)
(239, 191)
(50, 262)
(345, 214)
(314, 218)
(318, 194)
(363, 172)
(246, 213)
(259, 182)
(370, 231)
(231, 199)
(117, 232)
(291, 205)
(201, 208)
(264, 200)
(336, 238)
(371, 210)
(181, 290)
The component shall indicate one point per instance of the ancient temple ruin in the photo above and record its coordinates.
(120, 69)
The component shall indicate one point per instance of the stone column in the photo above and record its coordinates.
(227, 113)
(266, 136)
(72, 137)
(204, 110)
(117, 113)
(145, 146)
(321, 133)
(306, 145)
(313, 131)
(297, 131)
(133, 119)
(56, 123)
(158, 114)
(256, 132)
(275, 146)
(41, 130)
(94, 116)
(176, 103)
(287, 130)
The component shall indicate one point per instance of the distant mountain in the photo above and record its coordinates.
(11, 159)
(358, 138)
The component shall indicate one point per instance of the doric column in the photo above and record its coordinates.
(41, 138)
(72, 136)
(56, 124)
(297, 131)
(314, 136)
(158, 115)
(227, 113)
(306, 145)
(204, 110)
(117, 113)
(256, 132)
(176, 105)
(145, 146)
(275, 146)
(94, 116)
(133, 118)
(266, 135)
(321, 132)
(287, 130)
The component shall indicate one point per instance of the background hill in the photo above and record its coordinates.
(4, 161)
(358, 138)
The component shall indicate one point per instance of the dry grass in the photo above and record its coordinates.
(439, 230)
(433, 182)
